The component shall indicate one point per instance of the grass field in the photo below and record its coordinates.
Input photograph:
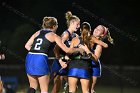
(99, 89)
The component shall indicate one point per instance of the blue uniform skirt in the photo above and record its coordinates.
(56, 67)
(37, 64)
(79, 69)
(96, 68)
(79, 73)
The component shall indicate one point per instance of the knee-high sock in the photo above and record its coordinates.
(44, 92)
(31, 90)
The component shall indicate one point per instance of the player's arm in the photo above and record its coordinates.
(99, 42)
(58, 40)
(56, 51)
(76, 41)
(98, 51)
(65, 36)
(29, 43)
(90, 54)
(57, 48)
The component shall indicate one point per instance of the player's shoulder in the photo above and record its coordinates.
(36, 33)
(65, 33)
(52, 34)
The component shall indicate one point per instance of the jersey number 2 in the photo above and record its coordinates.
(38, 44)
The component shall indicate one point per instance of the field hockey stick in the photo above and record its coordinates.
(57, 73)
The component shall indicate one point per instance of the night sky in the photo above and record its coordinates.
(19, 19)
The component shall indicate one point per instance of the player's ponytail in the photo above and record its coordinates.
(106, 34)
(69, 17)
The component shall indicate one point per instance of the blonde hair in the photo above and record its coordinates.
(106, 34)
(69, 17)
(110, 39)
(49, 22)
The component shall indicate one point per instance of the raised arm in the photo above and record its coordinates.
(99, 42)
(90, 54)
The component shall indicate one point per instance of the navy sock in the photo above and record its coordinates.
(31, 90)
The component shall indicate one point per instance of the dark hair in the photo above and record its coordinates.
(85, 33)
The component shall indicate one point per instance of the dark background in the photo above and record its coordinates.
(19, 19)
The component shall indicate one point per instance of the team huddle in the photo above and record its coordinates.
(77, 56)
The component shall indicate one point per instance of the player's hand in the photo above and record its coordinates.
(62, 63)
(67, 58)
(84, 47)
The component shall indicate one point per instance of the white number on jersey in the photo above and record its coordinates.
(37, 45)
